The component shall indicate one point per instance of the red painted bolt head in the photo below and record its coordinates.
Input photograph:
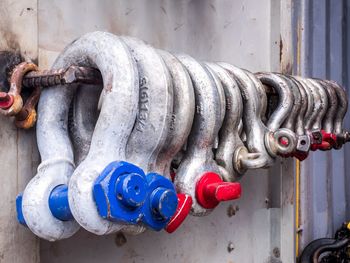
(211, 190)
(183, 209)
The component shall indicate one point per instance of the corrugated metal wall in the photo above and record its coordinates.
(321, 41)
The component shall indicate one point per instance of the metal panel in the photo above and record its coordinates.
(18, 155)
(321, 39)
(260, 226)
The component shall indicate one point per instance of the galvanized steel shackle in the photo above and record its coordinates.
(294, 116)
(147, 146)
(321, 141)
(299, 118)
(314, 103)
(329, 139)
(338, 130)
(228, 134)
(296, 119)
(327, 122)
(112, 57)
(317, 125)
(155, 106)
(281, 141)
(182, 112)
(198, 161)
(285, 98)
(309, 98)
(178, 132)
(252, 119)
(342, 106)
(231, 148)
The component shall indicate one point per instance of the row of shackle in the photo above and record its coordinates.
(164, 136)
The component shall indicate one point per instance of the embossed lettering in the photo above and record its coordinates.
(143, 105)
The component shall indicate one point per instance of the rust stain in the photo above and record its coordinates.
(8, 39)
(163, 10)
(128, 11)
(178, 26)
(120, 239)
(285, 63)
(281, 49)
(213, 8)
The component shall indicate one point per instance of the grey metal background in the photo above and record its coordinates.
(246, 33)
(321, 42)
(18, 155)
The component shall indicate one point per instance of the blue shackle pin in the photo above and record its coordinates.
(58, 204)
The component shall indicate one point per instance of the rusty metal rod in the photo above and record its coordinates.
(73, 74)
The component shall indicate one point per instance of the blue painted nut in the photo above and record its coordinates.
(161, 202)
(120, 191)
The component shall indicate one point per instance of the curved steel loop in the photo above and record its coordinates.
(199, 158)
(252, 124)
(285, 101)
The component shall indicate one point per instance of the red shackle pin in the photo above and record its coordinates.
(211, 190)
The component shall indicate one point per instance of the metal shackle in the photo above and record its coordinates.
(300, 117)
(292, 121)
(314, 100)
(155, 106)
(230, 144)
(280, 141)
(327, 122)
(285, 98)
(317, 125)
(179, 129)
(199, 158)
(338, 130)
(113, 127)
(252, 120)
(182, 113)
(296, 120)
(328, 137)
(147, 141)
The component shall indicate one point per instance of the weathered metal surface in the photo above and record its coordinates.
(321, 39)
(246, 33)
(19, 158)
